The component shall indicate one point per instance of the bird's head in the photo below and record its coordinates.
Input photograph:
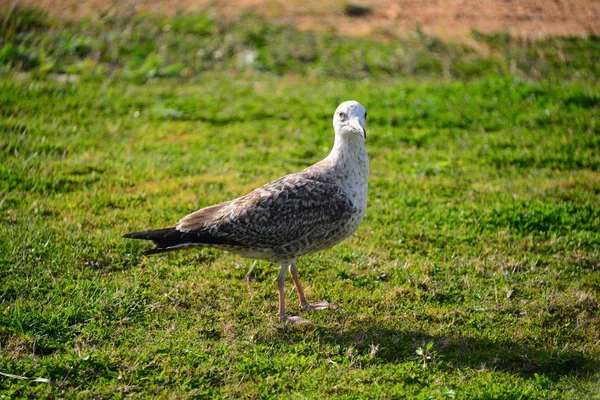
(350, 118)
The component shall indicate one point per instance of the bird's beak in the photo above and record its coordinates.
(358, 126)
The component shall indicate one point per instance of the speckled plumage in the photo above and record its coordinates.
(299, 213)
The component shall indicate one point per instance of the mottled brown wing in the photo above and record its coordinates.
(283, 211)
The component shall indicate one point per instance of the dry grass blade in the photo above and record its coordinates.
(25, 378)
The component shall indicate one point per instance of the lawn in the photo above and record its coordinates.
(474, 275)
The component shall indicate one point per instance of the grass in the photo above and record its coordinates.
(474, 275)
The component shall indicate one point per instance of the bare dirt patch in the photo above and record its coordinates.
(449, 19)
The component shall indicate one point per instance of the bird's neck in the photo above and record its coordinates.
(349, 159)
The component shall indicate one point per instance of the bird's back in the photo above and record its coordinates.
(286, 218)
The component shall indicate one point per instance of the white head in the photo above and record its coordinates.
(350, 118)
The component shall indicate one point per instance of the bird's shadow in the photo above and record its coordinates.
(393, 346)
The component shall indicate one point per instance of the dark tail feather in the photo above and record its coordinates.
(171, 239)
(156, 234)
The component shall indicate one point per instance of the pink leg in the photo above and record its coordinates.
(280, 287)
(320, 305)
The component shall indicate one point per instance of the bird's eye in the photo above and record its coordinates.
(365, 115)
(342, 115)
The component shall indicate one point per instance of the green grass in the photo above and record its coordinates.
(474, 275)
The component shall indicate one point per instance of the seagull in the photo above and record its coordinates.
(300, 213)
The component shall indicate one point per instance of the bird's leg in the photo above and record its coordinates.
(280, 288)
(319, 305)
(294, 272)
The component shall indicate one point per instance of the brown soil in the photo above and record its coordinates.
(449, 19)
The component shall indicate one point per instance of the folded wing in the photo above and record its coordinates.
(291, 209)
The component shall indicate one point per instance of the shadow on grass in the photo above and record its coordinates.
(398, 346)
